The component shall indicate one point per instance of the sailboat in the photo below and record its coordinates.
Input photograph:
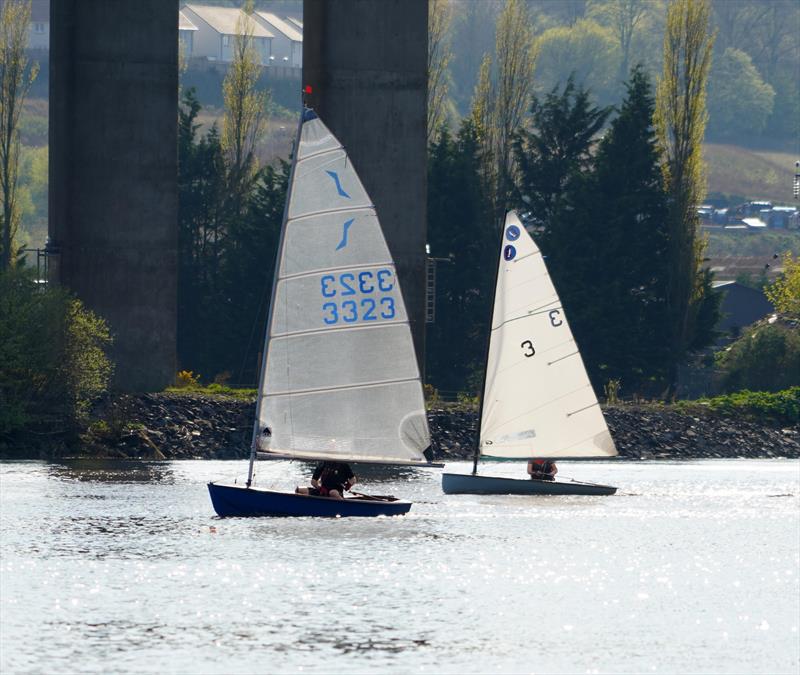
(537, 401)
(339, 377)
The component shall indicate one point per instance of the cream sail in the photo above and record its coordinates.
(537, 399)
(339, 379)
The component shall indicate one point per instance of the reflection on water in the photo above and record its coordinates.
(111, 471)
(123, 567)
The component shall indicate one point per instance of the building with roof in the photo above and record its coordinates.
(296, 22)
(186, 31)
(741, 305)
(217, 28)
(287, 45)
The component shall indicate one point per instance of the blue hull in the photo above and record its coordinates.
(456, 484)
(237, 501)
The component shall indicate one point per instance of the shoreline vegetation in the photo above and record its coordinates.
(216, 423)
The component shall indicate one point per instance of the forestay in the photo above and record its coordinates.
(340, 378)
(537, 400)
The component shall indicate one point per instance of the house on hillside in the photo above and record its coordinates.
(186, 31)
(39, 29)
(217, 28)
(287, 45)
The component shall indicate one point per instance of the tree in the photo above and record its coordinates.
(626, 16)
(15, 81)
(554, 158)
(501, 99)
(680, 122)
(53, 360)
(585, 50)
(459, 217)
(765, 358)
(245, 105)
(784, 292)
(621, 325)
(739, 101)
(440, 18)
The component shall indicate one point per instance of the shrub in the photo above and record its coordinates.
(765, 358)
(782, 406)
(186, 379)
(53, 360)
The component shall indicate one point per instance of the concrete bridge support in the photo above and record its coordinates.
(113, 174)
(366, 61)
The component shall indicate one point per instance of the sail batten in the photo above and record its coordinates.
(340, 378)
(537, 398)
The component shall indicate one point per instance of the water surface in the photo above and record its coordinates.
(123, 567)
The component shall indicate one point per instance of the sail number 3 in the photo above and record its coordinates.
(372, 283)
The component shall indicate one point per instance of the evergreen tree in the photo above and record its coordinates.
(555, 161)
(459, 227)
(628, 318)
(227, 242)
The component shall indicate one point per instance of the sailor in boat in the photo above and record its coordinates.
(542, 469)
(330, 479)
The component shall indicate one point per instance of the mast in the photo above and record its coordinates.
(262, 374)
(486, 355)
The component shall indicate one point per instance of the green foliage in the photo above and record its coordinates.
(53, 359)
(586, 51)
(766, 358)
(739, 101)
(782, 407)
(459, 217)
(784, 293)
(241, 393)
(621, 309)
(227, 239)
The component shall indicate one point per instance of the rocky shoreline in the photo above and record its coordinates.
(196, 426)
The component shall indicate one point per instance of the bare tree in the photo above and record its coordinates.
(626, 15)
(15, 17)
(680, 122)
(440, 17)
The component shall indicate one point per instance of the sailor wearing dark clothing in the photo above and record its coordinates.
(330, 479)
(542, 469)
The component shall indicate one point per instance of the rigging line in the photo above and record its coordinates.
(550, 363)
(575, 412)
(516, 363)
(533, 312)
(324, 270)
(543, 405)
(527, 255)
(267, 284)
(325, 212)
(331, 329)
(319, 166)
(319, 153)
(341, 387)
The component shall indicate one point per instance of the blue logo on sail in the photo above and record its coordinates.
(339, 188)
(509, 252)
(345, 229)
(512, 233)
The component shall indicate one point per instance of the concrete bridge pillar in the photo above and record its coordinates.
(113, 198)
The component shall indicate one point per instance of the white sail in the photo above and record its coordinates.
(537, 400)
(340, 379)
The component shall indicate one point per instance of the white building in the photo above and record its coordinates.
(186, 31)
(39, 30)
(287, 45)
(297, 22)
(217, 28)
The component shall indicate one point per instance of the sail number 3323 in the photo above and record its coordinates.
(357, 296)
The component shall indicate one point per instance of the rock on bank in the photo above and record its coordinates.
(198, 426)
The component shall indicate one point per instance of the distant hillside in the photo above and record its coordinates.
(753, 174)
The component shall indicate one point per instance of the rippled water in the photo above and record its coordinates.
(120, 567)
